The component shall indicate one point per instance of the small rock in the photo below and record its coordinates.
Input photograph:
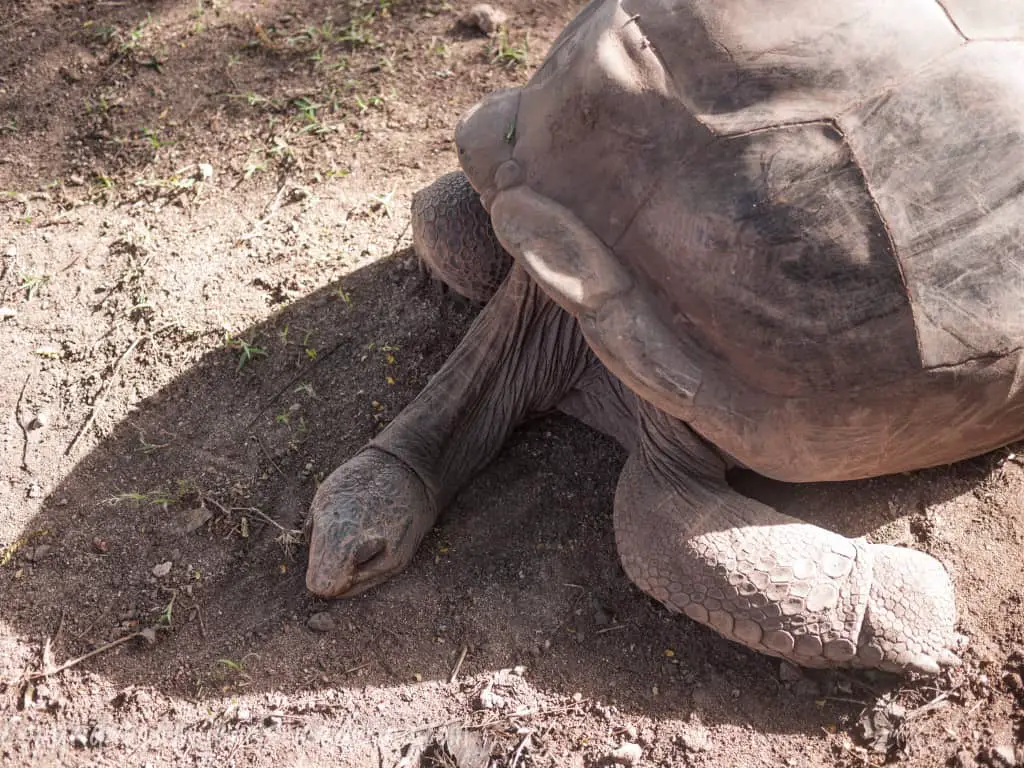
(1001, 756)
(629, 732)
(321, 622)
(97, 736)
(38, 553)
(75, 180)
(6, 313)
(695, 738)
(41, 420)
(149, 635)
(627, 754)
(11, 251)
(195, 519)
(964, 759)
(489, 699)
(485, 17)
(162, 569)
(243, 715)
(100, 545)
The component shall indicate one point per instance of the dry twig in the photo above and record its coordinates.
(21, 423)
(105, 388)
(95, 652)
(458, 665)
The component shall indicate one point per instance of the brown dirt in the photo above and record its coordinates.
(209, 300)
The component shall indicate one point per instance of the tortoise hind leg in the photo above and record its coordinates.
(453, 237)
(769, 581)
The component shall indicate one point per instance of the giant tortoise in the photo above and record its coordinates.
(787, 236)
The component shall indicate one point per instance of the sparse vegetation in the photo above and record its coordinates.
(31, 284)
(247, 351)
(506, 52)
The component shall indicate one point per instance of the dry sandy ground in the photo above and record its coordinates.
(208, 302)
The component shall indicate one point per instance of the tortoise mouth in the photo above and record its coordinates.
(350, 568)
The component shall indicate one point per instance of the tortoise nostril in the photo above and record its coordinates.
(368, 550)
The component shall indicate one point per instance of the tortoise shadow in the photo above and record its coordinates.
(208, 478)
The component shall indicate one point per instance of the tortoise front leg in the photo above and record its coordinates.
(769, 581)
(521, 356)
(453, 237)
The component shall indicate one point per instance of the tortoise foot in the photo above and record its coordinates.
(909, 624)
(365, 524)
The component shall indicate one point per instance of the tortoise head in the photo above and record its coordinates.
(365, 524)
(485, 137)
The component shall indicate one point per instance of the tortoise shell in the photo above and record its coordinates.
(798, 226)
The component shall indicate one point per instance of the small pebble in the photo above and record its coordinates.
(243, 715)
(41, 420)
(627, 754)
(162, 569)
(80, 740)
(11, 251)
(98, 736)
(321, 622)
(964, 759)
(695, 739)
(1001, 756)
(485, 17)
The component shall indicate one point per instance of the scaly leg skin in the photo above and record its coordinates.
(521, 356)
(769, 581)
(452, 235)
